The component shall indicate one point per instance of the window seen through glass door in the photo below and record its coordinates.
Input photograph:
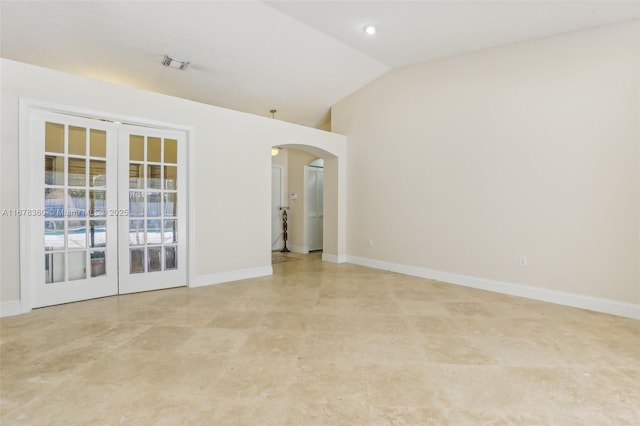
(153, 201)
(75, 194)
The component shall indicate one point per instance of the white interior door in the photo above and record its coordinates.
(72, 226)
(107, 211)
(152, 237)
(277, 196)
(314, 206)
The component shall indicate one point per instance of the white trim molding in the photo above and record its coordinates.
(327, 257)
(298, 249)
(607, 306)
(9, 309)
(223, 277)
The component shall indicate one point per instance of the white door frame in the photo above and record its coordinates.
(282, 193)
(26, 154)
(307, 201)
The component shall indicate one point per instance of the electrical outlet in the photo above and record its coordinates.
(523, 260)
(370, 242)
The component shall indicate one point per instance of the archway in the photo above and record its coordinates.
(333, 235)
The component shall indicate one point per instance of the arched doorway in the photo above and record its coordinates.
(296, 160)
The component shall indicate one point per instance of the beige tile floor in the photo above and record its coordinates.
(316, 344)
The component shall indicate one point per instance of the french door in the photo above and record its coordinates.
(109, 209)
(152, 233)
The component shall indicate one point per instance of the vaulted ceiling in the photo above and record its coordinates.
(299, 57)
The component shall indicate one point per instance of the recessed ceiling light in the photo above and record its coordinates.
(176, 63)
(370, 29)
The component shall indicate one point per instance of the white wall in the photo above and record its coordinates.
(459, 166)
(231, 168)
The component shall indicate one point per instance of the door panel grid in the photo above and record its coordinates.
(74, 202)
(153, 201)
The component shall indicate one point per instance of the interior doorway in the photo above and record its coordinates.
(297, 189)
(277, 203)
(329, 208)
(314, 204)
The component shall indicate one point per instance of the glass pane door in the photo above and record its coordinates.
(76, 234)
(152, 236)
(107, 209)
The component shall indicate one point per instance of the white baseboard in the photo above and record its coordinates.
(8, 309)
(608, 306)
(298, 249)
(224, 277)
(327, 257)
